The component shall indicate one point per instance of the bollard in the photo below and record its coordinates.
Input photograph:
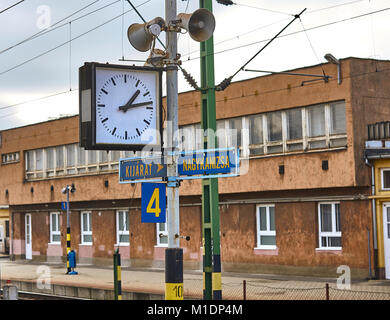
(327, 291)
(10, 292)
(117, 276)
(68, 268)
(174, 274)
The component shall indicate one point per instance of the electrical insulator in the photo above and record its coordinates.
(224, 84)
(225, 2)
(190, 79)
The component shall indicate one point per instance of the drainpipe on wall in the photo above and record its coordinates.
(373, 204)
(11, 237)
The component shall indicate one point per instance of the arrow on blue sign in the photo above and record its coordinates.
(140, 169)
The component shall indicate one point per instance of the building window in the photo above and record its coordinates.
(316, 121)
(265, 220)
(69, 160)
(256, 141)
(162, 234)
(235, 127)
(301, 129)
(55, 231)
(329, 226)
(122, 227)
(337, 118)
(274, 132)
(86, 227)
(385, 179)
(10, 158)
(294, 130)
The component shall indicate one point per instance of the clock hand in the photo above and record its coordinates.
(129, 103)
(125, 108)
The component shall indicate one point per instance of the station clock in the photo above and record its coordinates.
(120, 107)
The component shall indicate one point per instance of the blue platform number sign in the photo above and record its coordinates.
(64, 205)
(153, 202)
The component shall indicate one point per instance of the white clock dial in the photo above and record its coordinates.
(126, 106)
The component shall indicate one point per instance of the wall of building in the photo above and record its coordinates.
(296, 239)
(371, 104)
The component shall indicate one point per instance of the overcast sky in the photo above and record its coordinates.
(39, 77)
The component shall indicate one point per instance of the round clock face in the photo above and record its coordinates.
(126, 106)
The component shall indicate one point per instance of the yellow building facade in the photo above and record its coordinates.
(382, 213)
(377, 155)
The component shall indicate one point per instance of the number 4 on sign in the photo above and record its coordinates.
(156, 200)
(153, 202)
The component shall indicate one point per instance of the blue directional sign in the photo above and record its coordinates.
(132, 169)
(153, 202)
(64, 205)
(209, 162)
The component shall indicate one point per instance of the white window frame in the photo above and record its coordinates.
(122, 232)
(333, 233)
(89, 167)
(86, 233)
(7, 158)
(267, 232)
(383, 180)
(55, 232)
(160, 233)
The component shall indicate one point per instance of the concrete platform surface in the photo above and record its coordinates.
(94, 282)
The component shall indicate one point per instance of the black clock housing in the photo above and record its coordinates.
(87, 107)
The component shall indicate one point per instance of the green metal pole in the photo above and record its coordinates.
(210, 211)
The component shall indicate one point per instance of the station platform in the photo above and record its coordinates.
(97, 283)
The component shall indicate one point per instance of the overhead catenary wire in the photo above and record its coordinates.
(188, 105)
(222, 100)
(66, 42)
(336, 6)
(226, 50)
(218, 52)
(14, 5)
(123, 27)
(70, 56)
(284, 88)
(289, 34)
(312, 47)
(226, 82)
(276, 22)
(263, 9)
(50, 28)
(296, 32)
(37, 99)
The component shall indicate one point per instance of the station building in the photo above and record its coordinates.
(302, 206)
